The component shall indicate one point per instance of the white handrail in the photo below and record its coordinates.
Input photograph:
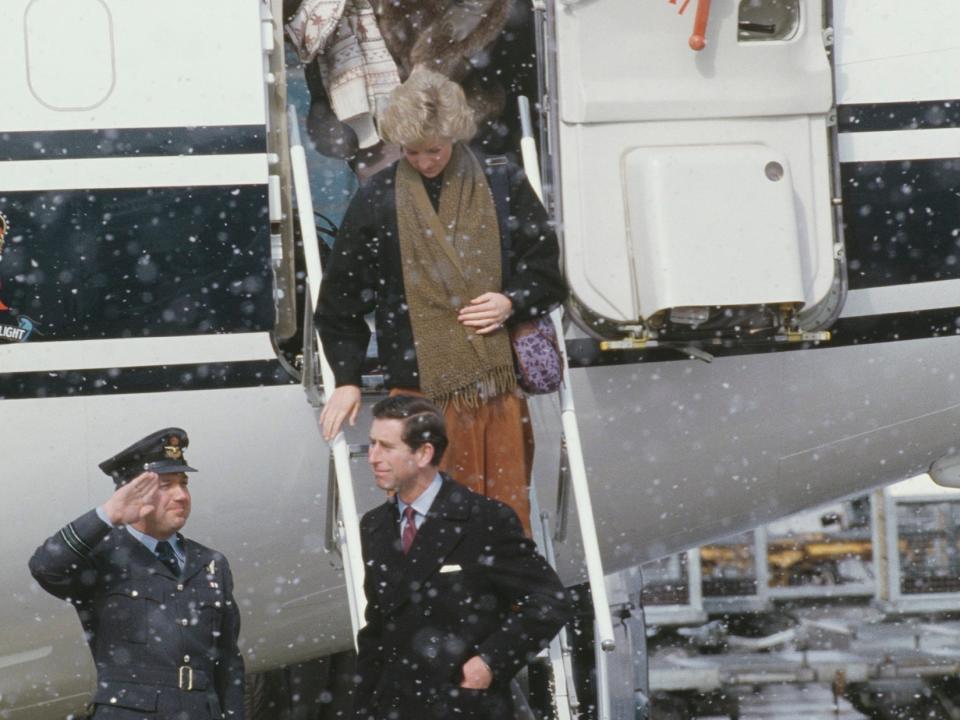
(581, 495)
(528, 147)
(565, 692)
(349, 538)
(571, 431)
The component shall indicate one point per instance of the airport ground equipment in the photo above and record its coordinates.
(916, 530)
(671, 591)
(889, 643)
(859, 653)
(908, 559)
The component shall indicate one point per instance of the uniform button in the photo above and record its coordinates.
(179, 588)
(113, 701)
(184, 622)
(186, 658)
(216, 604)
(134, 593)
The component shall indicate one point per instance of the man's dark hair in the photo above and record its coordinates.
(422, 422)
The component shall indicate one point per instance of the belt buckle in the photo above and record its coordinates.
(185, 677)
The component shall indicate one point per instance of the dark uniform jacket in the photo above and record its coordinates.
(364, 274)
(472, 584)
(164, 647)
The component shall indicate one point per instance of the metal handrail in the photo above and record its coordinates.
(571, 430)
(348, 533)
(581, 498)
(559, 652)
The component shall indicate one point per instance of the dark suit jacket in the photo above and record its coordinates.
(142, 623)
(472, 584)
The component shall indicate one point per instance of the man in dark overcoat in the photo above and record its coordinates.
(157, 609)
(458, 599)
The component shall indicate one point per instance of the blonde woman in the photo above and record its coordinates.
(448, 251)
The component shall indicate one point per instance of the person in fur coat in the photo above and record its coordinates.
(453, 38)
(448, 37)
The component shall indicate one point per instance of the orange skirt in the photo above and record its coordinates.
(491, 449)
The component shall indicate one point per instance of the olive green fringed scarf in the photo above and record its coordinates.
(448, 259)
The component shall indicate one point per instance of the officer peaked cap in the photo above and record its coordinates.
(159, 452)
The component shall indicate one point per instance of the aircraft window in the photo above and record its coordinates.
(70, 53)
(766, 20)
(136, 262)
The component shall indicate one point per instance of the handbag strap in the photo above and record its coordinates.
(497, 169)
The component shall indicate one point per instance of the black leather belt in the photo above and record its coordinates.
(183, 677)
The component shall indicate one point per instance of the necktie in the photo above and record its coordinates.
(165, 553)
(409, 530)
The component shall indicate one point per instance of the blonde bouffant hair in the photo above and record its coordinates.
(425, 107)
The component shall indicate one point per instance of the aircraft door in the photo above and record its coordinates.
(696, 185)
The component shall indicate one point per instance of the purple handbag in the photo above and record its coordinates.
(536, 354)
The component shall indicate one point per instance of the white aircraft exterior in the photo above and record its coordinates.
(819, 172)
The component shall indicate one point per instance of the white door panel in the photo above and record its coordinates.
(630, 87)
(211, 75)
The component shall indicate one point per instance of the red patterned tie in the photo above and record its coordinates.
(410, 529)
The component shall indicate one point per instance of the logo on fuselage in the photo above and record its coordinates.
(16, 333)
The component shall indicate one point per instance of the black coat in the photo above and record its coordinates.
(364, 274)
(472, 584)
(143, 624)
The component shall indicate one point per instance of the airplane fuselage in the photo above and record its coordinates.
(139, 291)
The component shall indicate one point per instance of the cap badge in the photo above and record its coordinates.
(173, 451)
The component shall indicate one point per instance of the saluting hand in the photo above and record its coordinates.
(134, 501)
(486, 313)
(476, 674)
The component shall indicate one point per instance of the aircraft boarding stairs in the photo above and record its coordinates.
(613, 650)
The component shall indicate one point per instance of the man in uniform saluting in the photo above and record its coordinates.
(157, 609)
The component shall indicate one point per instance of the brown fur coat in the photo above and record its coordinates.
(450, 37)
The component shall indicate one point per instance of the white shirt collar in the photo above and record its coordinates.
(425, 499)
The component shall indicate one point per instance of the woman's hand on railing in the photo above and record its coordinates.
(342, 404)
